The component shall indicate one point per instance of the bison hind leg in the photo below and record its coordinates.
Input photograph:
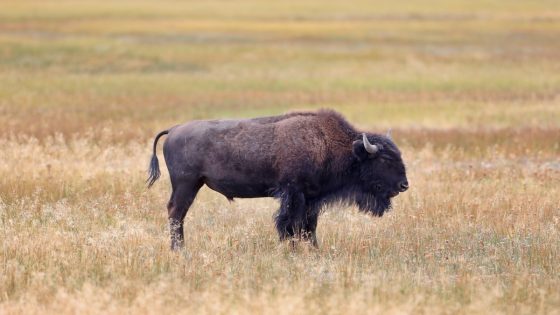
(181, 199)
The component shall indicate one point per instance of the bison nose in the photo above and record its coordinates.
(403, 186)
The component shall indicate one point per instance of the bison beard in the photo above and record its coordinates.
(305, 160)
(369, 203)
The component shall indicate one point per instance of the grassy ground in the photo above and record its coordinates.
(471, 90)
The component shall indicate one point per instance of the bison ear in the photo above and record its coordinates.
(360, 152)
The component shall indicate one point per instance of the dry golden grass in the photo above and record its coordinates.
(470, 88)
(81, 234)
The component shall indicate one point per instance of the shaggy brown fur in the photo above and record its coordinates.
(304, 159)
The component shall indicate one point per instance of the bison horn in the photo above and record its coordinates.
(370, 148)
(389, 134)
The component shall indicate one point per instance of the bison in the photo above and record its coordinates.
(305, 159)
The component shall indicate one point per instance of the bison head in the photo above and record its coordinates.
(382, 174)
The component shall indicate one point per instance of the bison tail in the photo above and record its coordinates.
(153, 172)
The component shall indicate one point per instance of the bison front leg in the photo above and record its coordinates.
(290, 218)
(310, 225)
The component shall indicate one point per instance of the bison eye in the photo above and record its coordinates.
(378, 187)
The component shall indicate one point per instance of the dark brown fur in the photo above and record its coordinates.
(306, 160)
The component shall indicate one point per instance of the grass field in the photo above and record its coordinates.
(471, 90)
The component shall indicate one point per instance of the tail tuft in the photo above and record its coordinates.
(153, 171)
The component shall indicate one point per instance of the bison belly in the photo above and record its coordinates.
(238, 189)
(240, 183)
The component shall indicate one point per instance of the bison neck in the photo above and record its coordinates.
(337, 185)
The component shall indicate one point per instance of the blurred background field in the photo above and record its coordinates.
(471, 90)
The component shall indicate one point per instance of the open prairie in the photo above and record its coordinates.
(471, 90)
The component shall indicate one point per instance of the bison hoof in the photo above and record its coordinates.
(177, 245)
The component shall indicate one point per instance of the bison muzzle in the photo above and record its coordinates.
(305, 160)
